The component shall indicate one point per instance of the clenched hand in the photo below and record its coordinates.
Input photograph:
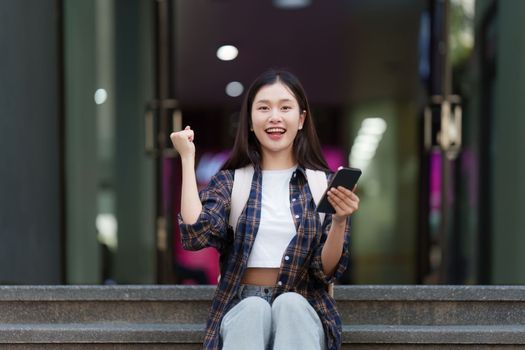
(183, 142)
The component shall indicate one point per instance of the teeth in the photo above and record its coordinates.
(275, 130)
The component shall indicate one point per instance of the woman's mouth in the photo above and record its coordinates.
(278, 131)
(275, 133)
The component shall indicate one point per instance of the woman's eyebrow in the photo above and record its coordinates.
(268, 101)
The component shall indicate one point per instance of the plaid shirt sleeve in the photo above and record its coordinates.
(211, 228)
(317, 264)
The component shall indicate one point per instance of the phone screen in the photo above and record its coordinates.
(346, 177)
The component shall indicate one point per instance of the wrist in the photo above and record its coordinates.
(339, 221)
(188, 160)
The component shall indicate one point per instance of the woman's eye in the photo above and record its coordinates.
(262, 108)
(286, 108)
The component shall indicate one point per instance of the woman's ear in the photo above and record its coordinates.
(302, 117)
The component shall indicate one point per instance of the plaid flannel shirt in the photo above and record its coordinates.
(302, 272)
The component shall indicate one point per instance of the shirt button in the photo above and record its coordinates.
(294, 199)
(287, 258)
(279, 283)
(297, 216)
(294, 174)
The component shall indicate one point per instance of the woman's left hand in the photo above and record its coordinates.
(344, 201)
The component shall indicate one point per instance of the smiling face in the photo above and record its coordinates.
(276, 119)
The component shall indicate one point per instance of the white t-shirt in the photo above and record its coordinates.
(277, 226)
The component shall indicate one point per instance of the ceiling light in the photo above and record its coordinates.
(291, 4)
(234, 89)
(227, 52)
(100, 96)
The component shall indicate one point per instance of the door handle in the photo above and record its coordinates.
(448, 136)
(450, 133)
(157, 131)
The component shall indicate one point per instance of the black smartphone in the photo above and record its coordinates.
(346, 177)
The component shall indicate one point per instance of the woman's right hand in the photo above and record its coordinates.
(183, 142)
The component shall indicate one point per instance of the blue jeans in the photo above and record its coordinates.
(290, 322)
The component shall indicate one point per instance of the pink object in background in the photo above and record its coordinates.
(335, 157)
(195, 267)
(205, 260)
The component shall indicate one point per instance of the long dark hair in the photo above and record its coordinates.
(306, 146)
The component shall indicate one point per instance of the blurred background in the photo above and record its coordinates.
(426, 96)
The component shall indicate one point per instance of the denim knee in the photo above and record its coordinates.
(289, 302)
(247, 325)
(292, 315)
(255, 305)
(249, 310)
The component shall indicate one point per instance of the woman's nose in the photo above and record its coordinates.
(275, 115)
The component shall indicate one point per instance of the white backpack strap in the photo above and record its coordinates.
(318, 183)
(242, 183)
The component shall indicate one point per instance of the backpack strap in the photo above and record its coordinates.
(318, 183)
(242, 184)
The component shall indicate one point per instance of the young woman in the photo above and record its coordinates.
(276, 266)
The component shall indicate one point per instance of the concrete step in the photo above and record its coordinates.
(431, 305)
(397, 305)
(105, 304)
(432, 335)
(190, 335)
(162, 317)
(133, 333)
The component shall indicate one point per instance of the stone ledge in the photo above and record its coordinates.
(204, 293)
(429, 293)
(101, 333)
(194, 333)
(402, 334)
(107, 293)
